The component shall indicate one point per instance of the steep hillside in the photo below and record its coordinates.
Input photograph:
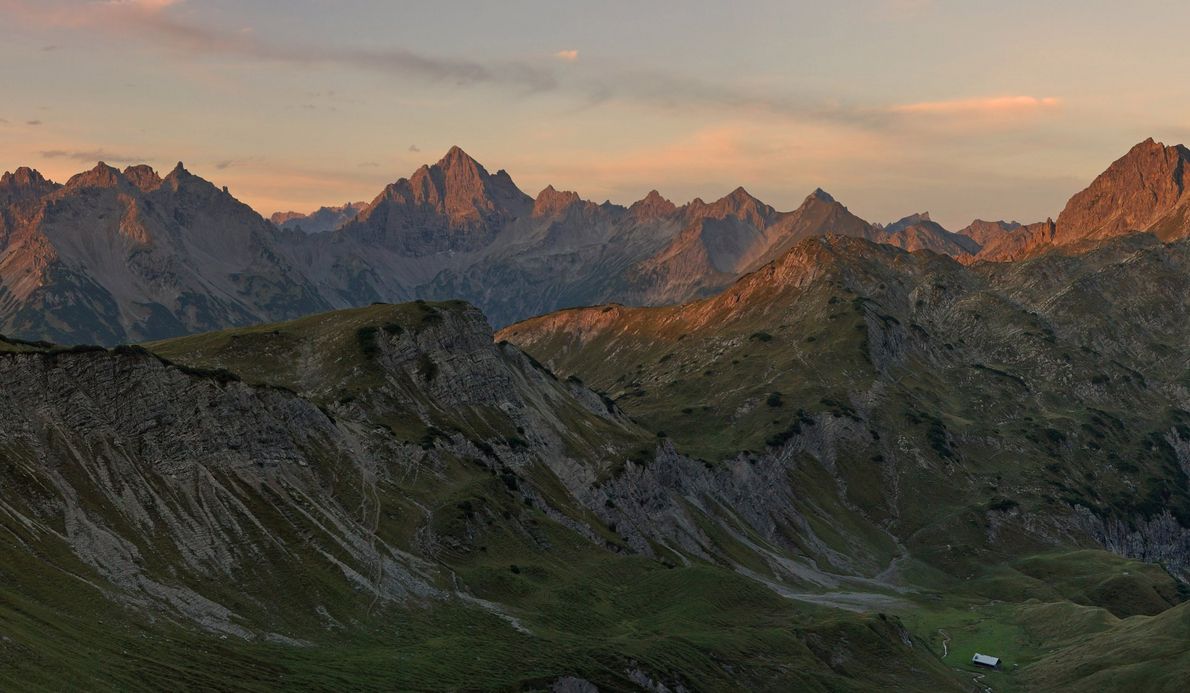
(1039, 406)
(378, 499)
(937, 368)
(386, 498)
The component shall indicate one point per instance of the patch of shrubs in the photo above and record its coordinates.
(1002, 505)
(366, 337)
(840, 409)
(426, 368)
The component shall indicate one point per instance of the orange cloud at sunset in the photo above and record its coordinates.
(982, 106)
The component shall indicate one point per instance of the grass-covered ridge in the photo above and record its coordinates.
(737, 505)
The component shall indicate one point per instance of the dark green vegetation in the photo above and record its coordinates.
(851, 471)
(301, 505)
(985, 417)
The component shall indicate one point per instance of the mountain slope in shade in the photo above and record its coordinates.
(453, 205)
(116, 255)
(819, 214)
(321, 220)
(383, 499)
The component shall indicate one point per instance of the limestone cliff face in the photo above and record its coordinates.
(161, 483)
(454, 205)
(119, 255)
(1028, 240)
(985, 232)
(1133, 194)
(124, 255)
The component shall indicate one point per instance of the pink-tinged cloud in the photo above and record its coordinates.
(569, 56)
(998, 105)
(146, 5)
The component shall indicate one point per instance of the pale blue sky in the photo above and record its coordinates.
(964, 109)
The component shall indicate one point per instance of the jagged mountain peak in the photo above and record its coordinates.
(740, 195)
(455, 156)
(910, 220)
(819, 195)
(1135, 193)
(460, 180)
(455, 204)
(652, 205)
(739, 204)
(143, 177)
(818, 198)
(101, 176)
(23, 177)
(552, 201)
(179, 171)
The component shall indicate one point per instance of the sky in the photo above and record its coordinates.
(963, 109)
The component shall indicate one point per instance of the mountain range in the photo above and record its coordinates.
(817, 454)
(113, 256)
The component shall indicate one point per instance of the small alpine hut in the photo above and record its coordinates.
(982, 660)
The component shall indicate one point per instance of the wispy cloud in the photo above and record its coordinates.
(999, 105)
(150, 19)
(90, 156)
(32, 122)
(155, 21)
(160, 23)
(414, 148)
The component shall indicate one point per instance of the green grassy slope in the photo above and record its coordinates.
(998, 420)
(531, 584)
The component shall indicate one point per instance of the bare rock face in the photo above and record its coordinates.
(652, 205)
(985, 232)
(115, 256)
(161, 482)
(1024, 242)
(551, 202)
(1133, 194)
(451, 206)
(919, 232)
(119, 255)
(322, 220)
